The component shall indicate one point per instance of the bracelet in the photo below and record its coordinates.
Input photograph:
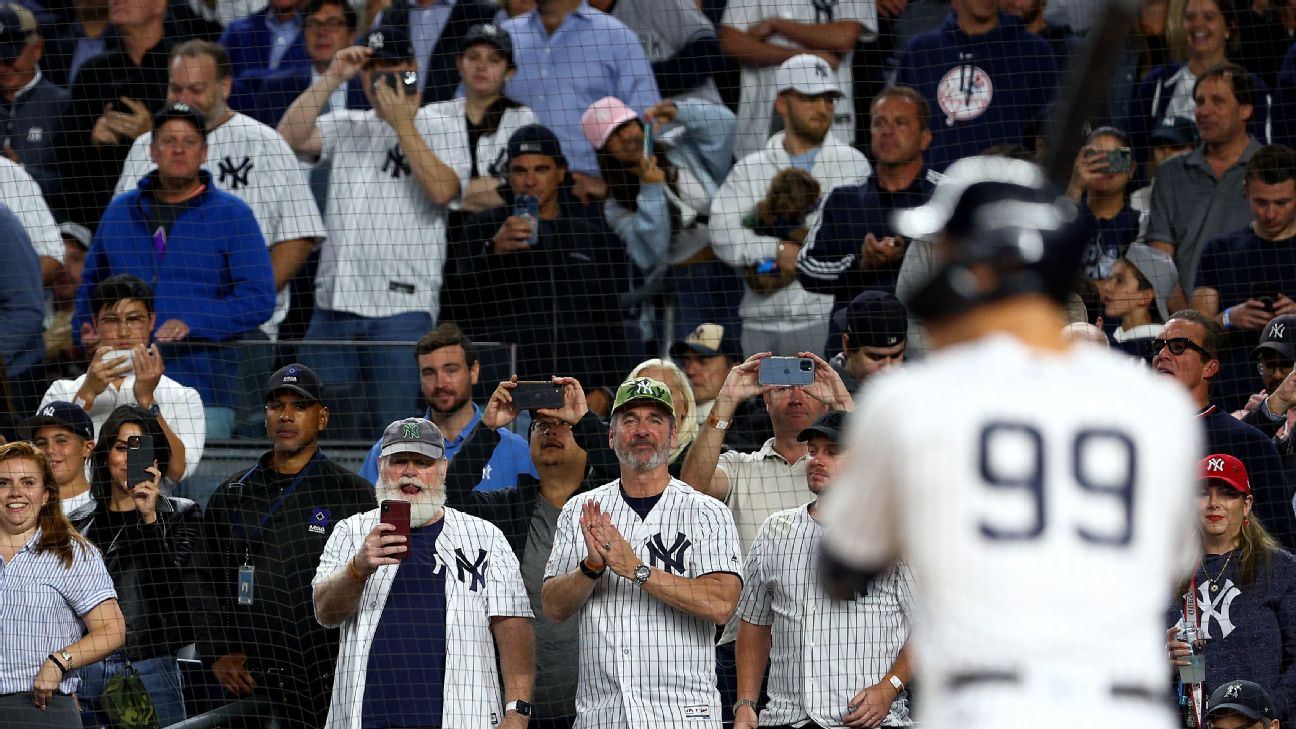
(895, 681)
(1224, 320)
(62, 668)
(355, 573)
(713, 422)
(590, 572)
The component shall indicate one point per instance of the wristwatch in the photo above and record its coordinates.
(154, 410)
(642, 573)
(895, 681)
(744, 702)
(590, 572)
(520, 706)
(717, 423)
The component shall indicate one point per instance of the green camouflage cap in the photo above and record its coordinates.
(643, 388)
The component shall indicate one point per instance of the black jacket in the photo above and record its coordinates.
(278, 630)
(510, 509)
(150, 568)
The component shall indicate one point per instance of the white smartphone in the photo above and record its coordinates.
(129, 354)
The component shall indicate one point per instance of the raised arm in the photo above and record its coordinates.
(297, 126)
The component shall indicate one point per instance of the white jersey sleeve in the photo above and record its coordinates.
(718, 547)
(506, 595)
(24, 197)
(756, 606)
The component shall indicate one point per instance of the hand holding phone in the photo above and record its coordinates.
(397, 513)
(786, 371)
(139, 457)
(530, 395)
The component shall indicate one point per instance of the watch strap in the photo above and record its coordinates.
(519, 706)
(58, 662)
(744, 702)
(895, 681)
(590, 572)
(713, 422)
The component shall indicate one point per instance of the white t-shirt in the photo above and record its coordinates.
(23, 196)
(387, 240)
(1046, 505)
(756, 107)
(252, 162)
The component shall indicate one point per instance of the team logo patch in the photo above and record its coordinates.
(697, 712)
(396, 163)
(320, 518)
(1215, 465)
(234, 175)
(670, 559)
(1233, 691)
(474, 571)
(964, 93)
(409, 430)
(1279, 330)
(377, 41)
(48, 412)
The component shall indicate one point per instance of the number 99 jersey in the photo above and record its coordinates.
(1045, 503)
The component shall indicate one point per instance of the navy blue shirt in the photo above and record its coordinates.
(404, 683)
(830, 261)
(1108, 239)
(1240, 266)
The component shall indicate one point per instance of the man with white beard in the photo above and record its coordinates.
(652, 567)
(421, 618)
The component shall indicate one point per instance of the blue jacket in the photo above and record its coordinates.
(22, 301)
(214, 275)
(510, 458)
(249, 40)
(983, 90)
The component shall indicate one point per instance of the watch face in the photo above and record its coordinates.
(641, 573)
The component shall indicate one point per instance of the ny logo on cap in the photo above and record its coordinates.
(48, 412)
(821, 69)
(182, 107)
(409, 430)
(1215, 465)
(531, 147)
(892, 340)
(645, 387)
(1233, 691)
(488, 29)
(376, 41)
(1279, 329)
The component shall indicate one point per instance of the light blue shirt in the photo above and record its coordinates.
(589, 56)
(512, 456)
(282, 36)
(425, 27)
(41, 606)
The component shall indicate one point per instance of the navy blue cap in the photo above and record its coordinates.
(535, 139)
(389, 43)
(708, 340)
(62, 414)
(1242, 697)
(181, 111)
(1179, 131)
(296, 377)
(830, 424)
(492, 34)
(874, 319)
(17, 29)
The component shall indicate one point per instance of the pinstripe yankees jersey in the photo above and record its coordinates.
(644, 663)
(252, 162)
(482, 580)
(1045, 503)
(823, 651)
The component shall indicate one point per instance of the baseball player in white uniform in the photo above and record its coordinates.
(1041, 491)
(832, 663)
(652, 567)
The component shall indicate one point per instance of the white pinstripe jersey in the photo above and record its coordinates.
(1045, 504)
(251, 161)
(822, 651)
(482, 581)
(644, 663)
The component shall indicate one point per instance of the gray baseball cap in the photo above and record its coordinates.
(1160, 271)
(413, 435)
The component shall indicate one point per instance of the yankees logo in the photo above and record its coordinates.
(376, 41)
(396, 163)
(48, 412)
(824, 10)
(409, 430)
(821, 70)
(1278, 330)
(670, 558)
(233, 176)
(476, 570)
(1233, 691)
(1215, 465)
(1217, 608)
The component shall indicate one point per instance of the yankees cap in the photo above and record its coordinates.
(708, 340)
(389, 43)
(535, 139)
(1241, 697)
(17, 30)
(874, 319)
(184, 112)
(1226, 468)
(492, 34)
(643, 389)
(806, 74)
(413, 435)
(830, 424)
(1279, 335)
(62, 414)
(296, 377)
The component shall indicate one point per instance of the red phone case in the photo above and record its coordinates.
(397, 513)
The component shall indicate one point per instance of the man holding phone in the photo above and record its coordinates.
(127, 370)
(387, 175)
(419, 638)
(1248, 276)
(260, 549)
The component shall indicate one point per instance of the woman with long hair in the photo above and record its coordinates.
(666, 371)
(1243, 592)
(147, 539)
(1100, 184)
(60, 608)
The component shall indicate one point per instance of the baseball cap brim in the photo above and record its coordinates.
(679, 349)
(10, 50)
(423, 449)
(1286, 350)
(27, 428)
(291, 388)
(830, 433)
(1246, 711)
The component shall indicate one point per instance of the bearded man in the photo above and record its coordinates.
(422, 616)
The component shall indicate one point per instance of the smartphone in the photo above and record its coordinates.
(405, 82)
(648, 139)
(397, 513)
(139, 456)
(1119, 160)
(129, 354)
(786, 371)
(536, 395)
(527, 207)
(1265, 294)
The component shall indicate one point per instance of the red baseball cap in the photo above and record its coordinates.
(1226, 468)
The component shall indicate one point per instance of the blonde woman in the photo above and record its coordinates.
(664, 370)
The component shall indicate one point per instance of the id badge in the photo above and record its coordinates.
(246, 581)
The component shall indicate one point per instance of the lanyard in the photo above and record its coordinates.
(1192, 620)
(250, 536)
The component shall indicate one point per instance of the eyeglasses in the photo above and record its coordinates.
(1179, 345)
(1274, 365)
(549, 426)
(134, 321)
(330, 24)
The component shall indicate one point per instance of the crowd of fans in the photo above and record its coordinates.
(645, 199)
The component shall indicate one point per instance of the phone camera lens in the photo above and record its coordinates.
(806, 366)
(133, 441)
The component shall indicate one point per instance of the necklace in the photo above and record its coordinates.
(1214, 583)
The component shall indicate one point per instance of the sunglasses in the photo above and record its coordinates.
(1179, 345)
